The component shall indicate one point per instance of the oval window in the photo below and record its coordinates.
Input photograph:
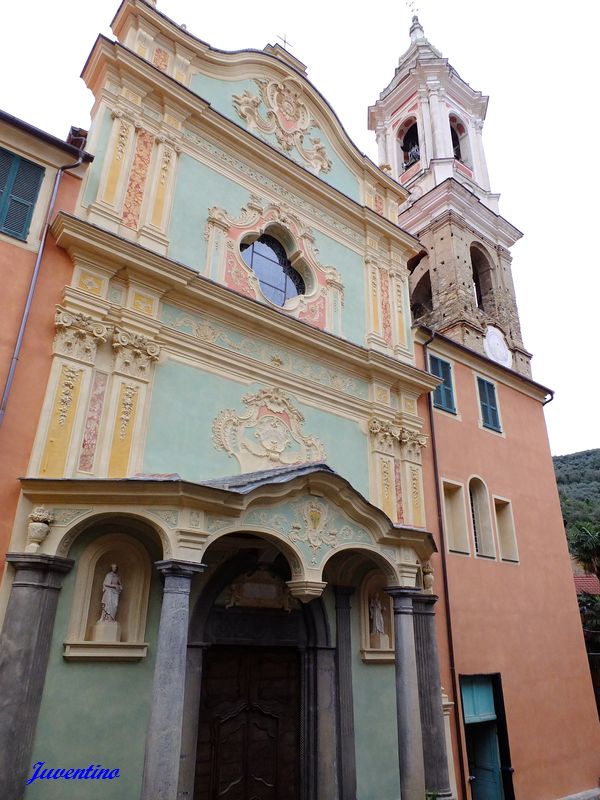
(268, 260)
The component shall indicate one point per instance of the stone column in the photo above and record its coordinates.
(430, 697)
(24, 651)
(325, 700)
(410, 745)
(345, 698)
(163, 740)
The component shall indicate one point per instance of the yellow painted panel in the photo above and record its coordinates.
(388, 486)
(90, 283)
(123, 432)
(64, 410)
(416, 496)
(116, 164)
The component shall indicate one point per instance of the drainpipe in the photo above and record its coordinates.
(32, 285)
(443, 554)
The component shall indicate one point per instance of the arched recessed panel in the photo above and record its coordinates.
(481, 518)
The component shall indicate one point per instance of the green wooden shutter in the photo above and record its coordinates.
(489, 406)
(477, 693)
(443, 396)
(20, 182)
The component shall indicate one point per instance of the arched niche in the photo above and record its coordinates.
(481, 518)
(421, 300)
(481, 267)
(90, 637)
(376, 619)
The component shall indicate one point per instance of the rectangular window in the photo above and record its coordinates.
(455, 518)
(489, 406)
(506, 530)
(443, 396)
(20, 182)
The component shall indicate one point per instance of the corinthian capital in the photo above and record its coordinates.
(78, 335)
(134, 353)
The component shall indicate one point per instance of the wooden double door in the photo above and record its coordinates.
(249, 727)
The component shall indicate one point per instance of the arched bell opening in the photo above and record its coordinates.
(259, 682)
(481, 268)
(409, 149)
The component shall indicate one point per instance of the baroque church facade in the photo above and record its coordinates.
(289, 528)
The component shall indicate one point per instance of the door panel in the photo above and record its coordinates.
(248, 733)
(484, 761)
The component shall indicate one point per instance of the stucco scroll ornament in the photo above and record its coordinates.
(38, 528)
(286, 116)
(312, 527)
(78, 335)
(270, 431)
(134, 354)
(428, 578)
(249, 215)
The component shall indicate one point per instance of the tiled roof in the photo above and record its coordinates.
(587, 583)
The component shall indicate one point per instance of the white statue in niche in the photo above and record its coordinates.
(111, 589)
(376, 614)
(107, 629)
(378, 636)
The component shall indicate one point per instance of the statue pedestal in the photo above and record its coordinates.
(380, 641)
(106, 632)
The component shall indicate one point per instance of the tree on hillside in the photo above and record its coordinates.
(584, 545)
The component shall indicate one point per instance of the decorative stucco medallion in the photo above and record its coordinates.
(268, 434)
(286, 116)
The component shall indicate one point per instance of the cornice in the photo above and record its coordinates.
(477, 361)
(452, 197)
(180, 284)
(107, 57)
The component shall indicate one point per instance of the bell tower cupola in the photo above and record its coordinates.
(428, 124)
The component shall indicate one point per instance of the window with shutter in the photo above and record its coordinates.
(490, 417)
(443, 396)
(20, 182)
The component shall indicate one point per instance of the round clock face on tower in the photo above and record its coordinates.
(496, 348)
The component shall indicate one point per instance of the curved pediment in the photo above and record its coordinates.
(265, 92)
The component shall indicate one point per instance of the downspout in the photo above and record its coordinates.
(443, 554)
(32, 285)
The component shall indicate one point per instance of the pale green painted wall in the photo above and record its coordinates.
(350, 265)
(95, 168)
(197, 189)
(185, 402)
(220, 94)
(375, 733)
(95, 712)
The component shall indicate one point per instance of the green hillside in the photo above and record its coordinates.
(578, 479)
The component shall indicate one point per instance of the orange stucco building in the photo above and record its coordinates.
(43, 175)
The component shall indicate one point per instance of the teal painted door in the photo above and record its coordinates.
(485, 777)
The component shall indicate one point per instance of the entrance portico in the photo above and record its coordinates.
(255, 554)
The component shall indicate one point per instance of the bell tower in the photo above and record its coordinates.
(428, 123)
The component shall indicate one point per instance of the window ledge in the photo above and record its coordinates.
(105, 651)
